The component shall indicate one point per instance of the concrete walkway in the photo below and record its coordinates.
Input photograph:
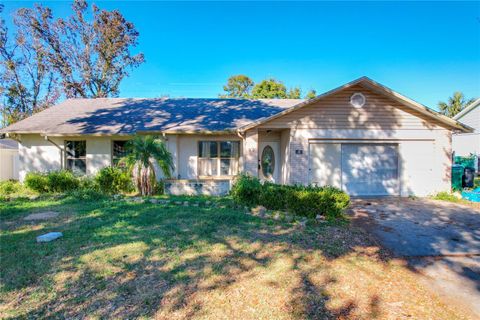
(439, 240)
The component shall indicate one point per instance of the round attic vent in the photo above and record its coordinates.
(357, 100)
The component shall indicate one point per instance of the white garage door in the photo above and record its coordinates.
(370, 169)
(325, 164)
(359, 169)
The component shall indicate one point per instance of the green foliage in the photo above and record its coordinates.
(273, 196)
(9, 187)
(246, 190)
(159, 187)
(142, 151)
(113, 180)
(307, 201)
(269, 89)
(54, 181)
(86, 182)
(27, 83)
(109, 37)
(37, 181)
(243, 87)
(476, 182)
(238, 86)
(310, 201)
(62, 181)
(85, 194)
(455, 104)
(311, 94)
(294, 93)
(446, 196)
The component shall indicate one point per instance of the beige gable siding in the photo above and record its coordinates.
(335, 112)
(465, 144)
(472, 119)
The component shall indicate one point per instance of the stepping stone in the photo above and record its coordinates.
(41, 215)
(49, 236)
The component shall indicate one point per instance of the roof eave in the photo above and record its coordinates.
(468, 109)
(106, 134)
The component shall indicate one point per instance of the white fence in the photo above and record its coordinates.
(9, 164)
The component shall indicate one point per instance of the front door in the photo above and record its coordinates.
(269, 161)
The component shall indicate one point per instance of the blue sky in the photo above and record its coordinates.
(424, 50)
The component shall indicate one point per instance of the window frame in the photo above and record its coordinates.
(67, 157)
(218, 159)
(113, 157)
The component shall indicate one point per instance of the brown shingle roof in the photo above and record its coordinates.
(128, 116)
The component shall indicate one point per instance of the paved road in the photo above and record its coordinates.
(439, 240)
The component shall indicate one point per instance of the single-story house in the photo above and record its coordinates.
(468, 143)
(362, 137)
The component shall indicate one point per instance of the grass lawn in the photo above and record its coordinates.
(449, 197)
(143, 260)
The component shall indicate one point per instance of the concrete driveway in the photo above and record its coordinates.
(439, 240)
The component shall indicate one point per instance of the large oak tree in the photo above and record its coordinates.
(86, 54)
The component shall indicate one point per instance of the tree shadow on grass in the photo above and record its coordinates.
(122, 260)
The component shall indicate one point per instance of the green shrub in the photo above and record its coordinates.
(86, 194)
(311, 201)
(62, 181)
(9, 187)
(86, 182)
(273, 196)
(37, 181)
(246, 190)
(159, 187)
(54, 181)
(113, 180)
(307, 201)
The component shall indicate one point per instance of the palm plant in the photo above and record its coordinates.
(142, 153)
(455, 104)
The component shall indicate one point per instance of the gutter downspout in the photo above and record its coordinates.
(62, 152)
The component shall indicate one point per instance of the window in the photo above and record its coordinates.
(268, 162)
(75, 156)
(218, 158)
(118, 151)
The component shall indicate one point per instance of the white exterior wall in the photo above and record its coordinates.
(424, 155)
(465, 144)
(99, 154)
(250, 147)
(38, 154)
